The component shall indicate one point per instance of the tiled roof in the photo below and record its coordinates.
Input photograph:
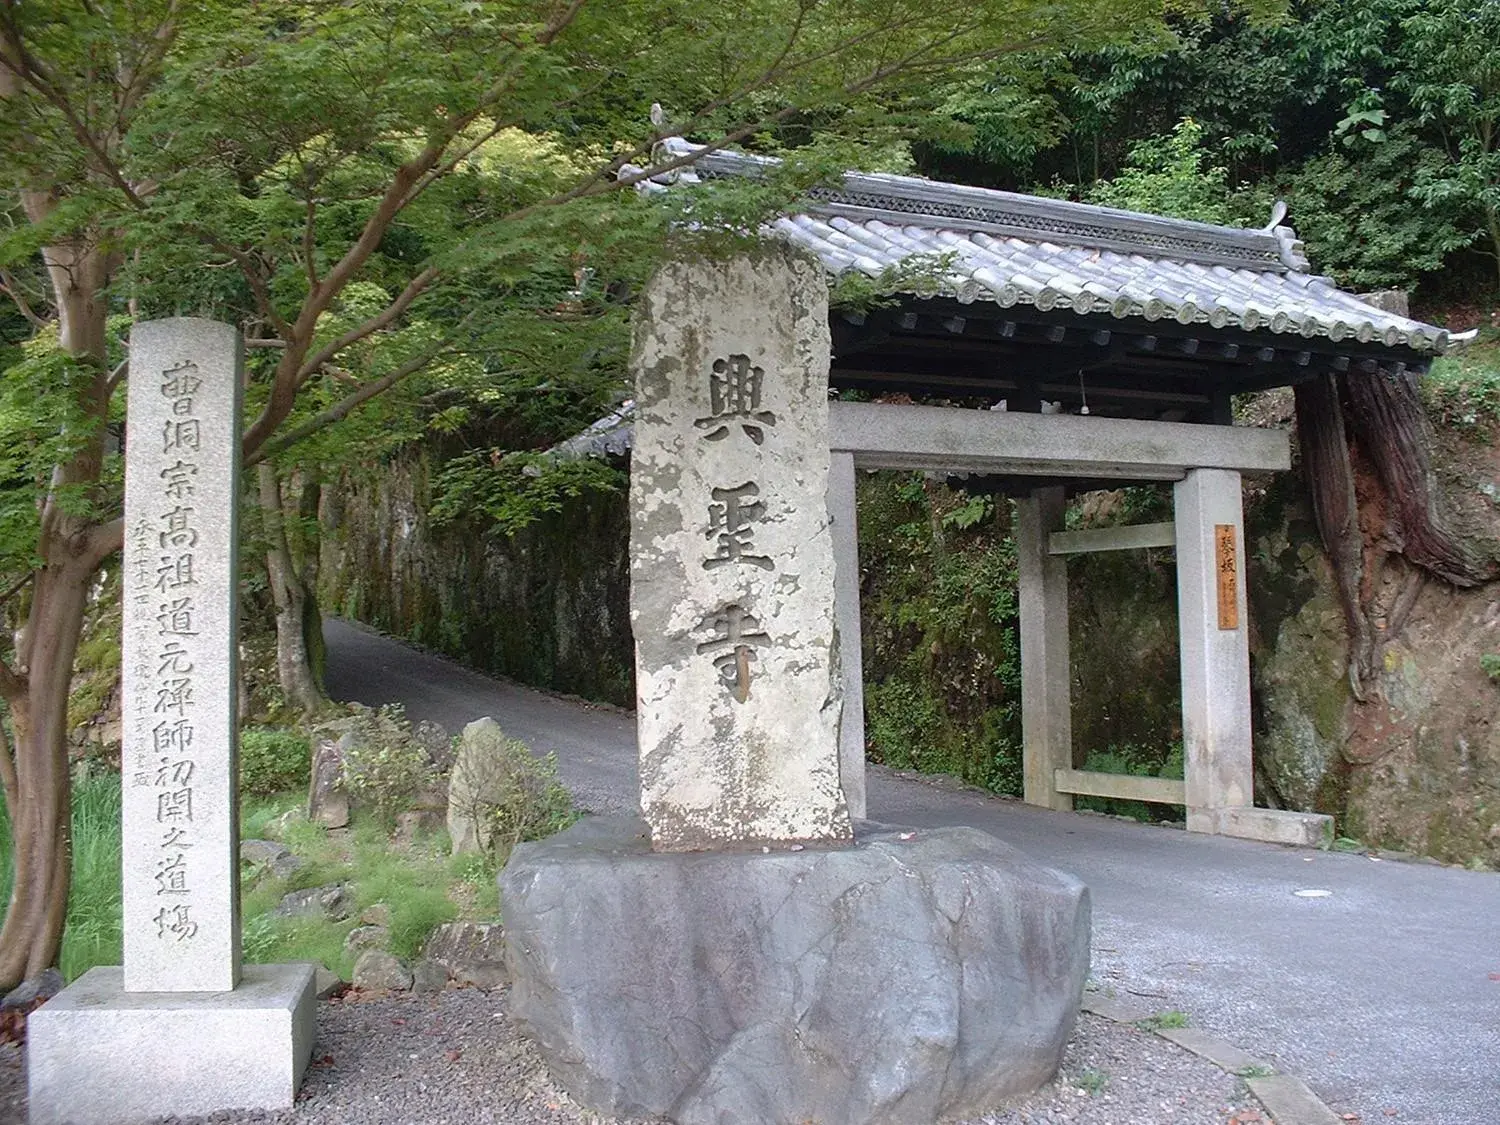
(1057, 255)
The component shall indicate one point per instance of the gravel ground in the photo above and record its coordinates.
(457, 1059)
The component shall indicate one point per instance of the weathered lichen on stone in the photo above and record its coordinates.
(732, 563)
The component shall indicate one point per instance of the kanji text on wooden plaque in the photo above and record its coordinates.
(1226, 563)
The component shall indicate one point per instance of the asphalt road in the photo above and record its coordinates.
(1383, 995)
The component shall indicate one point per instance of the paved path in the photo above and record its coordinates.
(1380, 995)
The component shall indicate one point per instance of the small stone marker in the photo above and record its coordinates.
(182, 459)
(739, 693)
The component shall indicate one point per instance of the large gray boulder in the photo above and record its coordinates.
(914, 976)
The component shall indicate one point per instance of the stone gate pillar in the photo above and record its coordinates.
(1213, 626)
(1046, 696)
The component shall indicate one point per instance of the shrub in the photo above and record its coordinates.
(386, 768)
(1489, 664)
(511, 795)
(272, 761)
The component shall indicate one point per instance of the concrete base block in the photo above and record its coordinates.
(1277, 826)
(98, 1055)
(913, 976)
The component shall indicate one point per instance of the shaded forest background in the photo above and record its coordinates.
(1377, 123)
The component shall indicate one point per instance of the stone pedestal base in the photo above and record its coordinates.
(912, 976)
(98, 1055)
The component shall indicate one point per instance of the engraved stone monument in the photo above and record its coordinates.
(732, 558)
(142, 1041)
(739, 955)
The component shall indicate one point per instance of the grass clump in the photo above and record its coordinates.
(1161, 1021)
(93, 930)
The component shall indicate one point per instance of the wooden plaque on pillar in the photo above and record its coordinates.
(1226, 564)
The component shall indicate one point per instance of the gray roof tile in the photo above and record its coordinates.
(1054, 254)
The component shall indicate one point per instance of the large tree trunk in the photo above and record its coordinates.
(36, 688)
(1391, 427)
(1324, 445)
(294, 601)
(40, 813)
(1386, 421)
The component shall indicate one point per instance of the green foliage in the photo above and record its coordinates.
(1489, 664)
(1451, 74)
(515, 795)
(1356, 211)
(941, 659)
(921, 274)
(1462, 392)
(1171, 176)
(386, 767)
(510, 491)
(44, 421)
(273, 760)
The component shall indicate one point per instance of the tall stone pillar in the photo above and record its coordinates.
(182, 1030)
(180, 722)
(1213, 625)
(844, 518)
(1046, 679)
(732, 571)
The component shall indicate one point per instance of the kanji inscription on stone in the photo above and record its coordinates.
(181, 575)
(732, 556)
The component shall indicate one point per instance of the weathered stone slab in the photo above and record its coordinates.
(99, 1055)
(181, 578)
(1277, 826)
(469, 952)
(895, 981)
(731, 555)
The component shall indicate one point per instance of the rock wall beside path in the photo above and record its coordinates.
(548, 607)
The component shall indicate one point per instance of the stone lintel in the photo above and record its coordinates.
(98, 1055)
(1129, 538)
(885, 436)
(1121, 786)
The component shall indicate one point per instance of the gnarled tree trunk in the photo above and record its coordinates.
(1385, 418)
(1324, 445)
(1386, 415)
